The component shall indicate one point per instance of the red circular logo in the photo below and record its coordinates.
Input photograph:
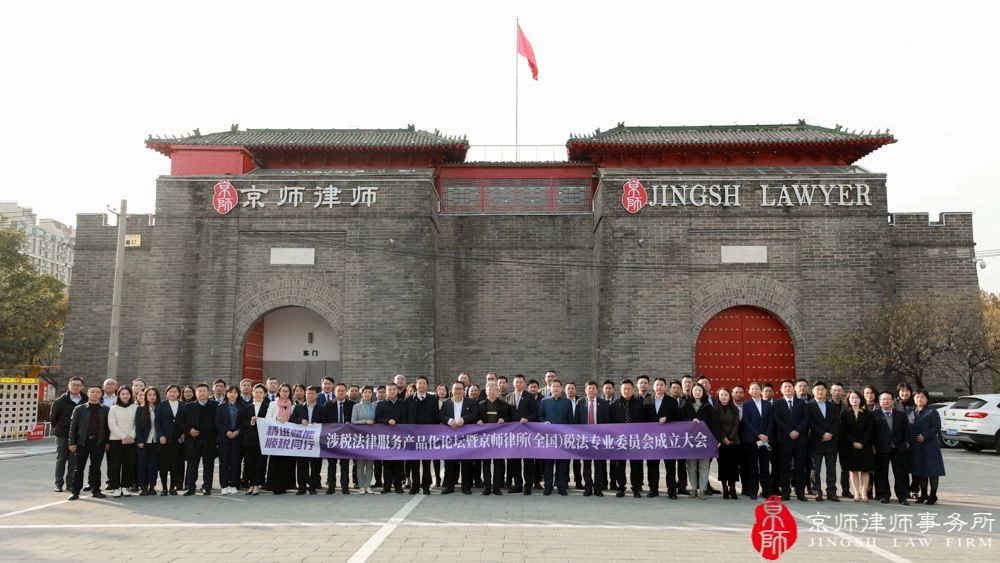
(224, 197)
(634, 196)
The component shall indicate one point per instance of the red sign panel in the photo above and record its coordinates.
(744, 344)
(224, 197)
(634, 196)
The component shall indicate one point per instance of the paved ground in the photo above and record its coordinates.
(36, 523)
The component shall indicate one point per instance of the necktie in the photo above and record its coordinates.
(789, 404)
(591, 415)
(628, 414)
(340, 412)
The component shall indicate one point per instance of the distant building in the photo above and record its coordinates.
(48, 242)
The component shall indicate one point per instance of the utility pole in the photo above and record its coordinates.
(116, 292)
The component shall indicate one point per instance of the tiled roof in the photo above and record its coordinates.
(800, 132)
(333, 138)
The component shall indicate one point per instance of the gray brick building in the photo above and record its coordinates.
(738, 252)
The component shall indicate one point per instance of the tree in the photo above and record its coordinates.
(972, 336)
(32, 305)
(897, 341)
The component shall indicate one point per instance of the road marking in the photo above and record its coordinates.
(959, 460)
(378, 523)
(854, 540)
(369, 547)
(33, 508)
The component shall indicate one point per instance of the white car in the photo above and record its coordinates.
(974, 421)
(946, 442)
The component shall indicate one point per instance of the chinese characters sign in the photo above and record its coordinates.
(226, 197)
(675, 440)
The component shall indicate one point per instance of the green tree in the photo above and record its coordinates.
(32, 305)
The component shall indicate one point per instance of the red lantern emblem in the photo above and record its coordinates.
(634, 196)
(775, 531)
(224, 197)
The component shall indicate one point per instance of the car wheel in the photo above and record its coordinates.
(949, 443)
(972, 447)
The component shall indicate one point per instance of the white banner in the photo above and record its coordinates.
(285, 438)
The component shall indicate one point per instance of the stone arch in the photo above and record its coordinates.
(285, 291)
(756, 291)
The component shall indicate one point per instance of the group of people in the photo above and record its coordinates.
(771, 443)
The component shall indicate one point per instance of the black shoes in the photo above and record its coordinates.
(620, 494)
(562, 492)
(189, 493)
(99, 494)
(637, 494)
(598, 494)
(74, 496)
(331, 490)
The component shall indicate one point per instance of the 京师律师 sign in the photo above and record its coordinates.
(635, 195)
(226, 196)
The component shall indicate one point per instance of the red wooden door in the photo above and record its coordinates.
(253, 353)
(744, 344)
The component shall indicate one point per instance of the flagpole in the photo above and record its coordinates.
(517, 86)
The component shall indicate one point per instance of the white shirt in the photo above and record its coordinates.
(174, 405)
(108, 400)
(152, 427)
(458, 410)
(76, 398)
(760, 407)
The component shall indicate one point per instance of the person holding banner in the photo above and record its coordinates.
(628, 409)
(256, 463)
(308, 468)
(338, 411)
(493, 410)
(555, 409)
(593, 410)
(523, 409)
(364, 413)
(423, 409)
(456, 412)
(391, 411)
(281, 469)
(698, 409)
(661, 408)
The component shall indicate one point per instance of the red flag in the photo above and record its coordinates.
(524, 49)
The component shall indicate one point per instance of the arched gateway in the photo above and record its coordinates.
(743, 344)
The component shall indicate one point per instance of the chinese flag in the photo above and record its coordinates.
(524, 49)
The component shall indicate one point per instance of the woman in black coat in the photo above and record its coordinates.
(699, 409)
(256, 463)
(727, 423)
(857, 428)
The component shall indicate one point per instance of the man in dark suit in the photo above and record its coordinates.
(456, 412)
(423, 409)
(593, 410)
(493, 410)
(791, 435)
(662, 408)
(338, 411)
(59, 416)
(308, 468)
(523, 409)
(198, 424)
(391, 411)
(628, 409)
(755, 434)
(892, 440)
(824, 431)
(87, 436)
(555, 409)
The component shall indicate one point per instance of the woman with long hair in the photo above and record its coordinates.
(256, 463)
(698, 409)
(147, 442)
(227, 433)
(727, 424)
(121, 443)
(364, 413)
(169, 433)
(857, 428)
(187, 394)
(281, 468)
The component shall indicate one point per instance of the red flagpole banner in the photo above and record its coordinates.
(524, 49)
